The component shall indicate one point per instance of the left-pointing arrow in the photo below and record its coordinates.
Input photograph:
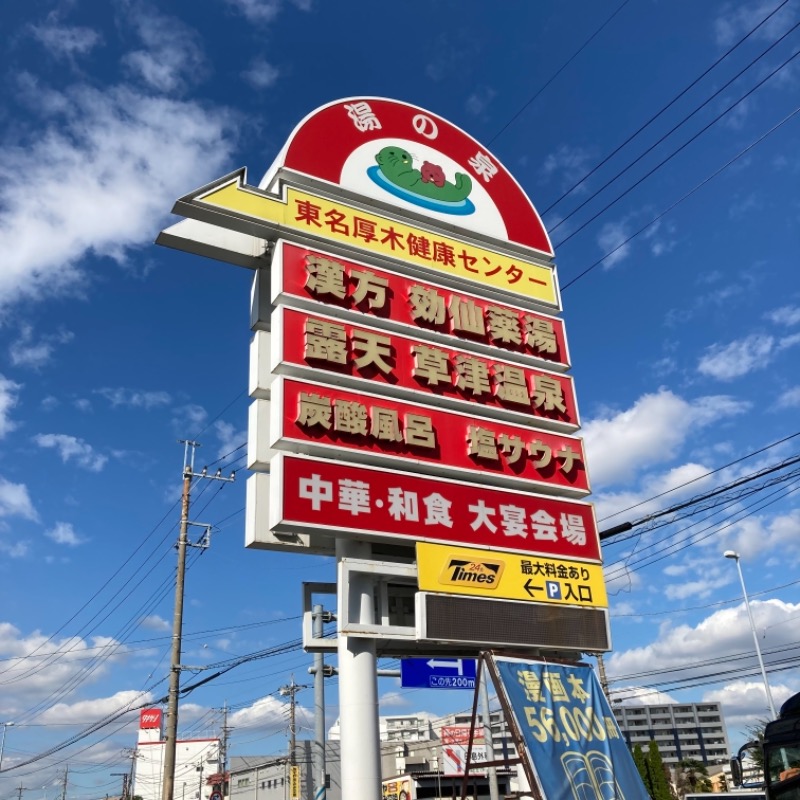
(530, 589)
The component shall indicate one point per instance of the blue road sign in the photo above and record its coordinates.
(438, 673)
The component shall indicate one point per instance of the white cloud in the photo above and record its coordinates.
(621, 444)
(18, 549)
(230, 439)
(15, 501)
(155, 623)
(269, 714)
(188, 418)
(571, 163)
(785, 315)
(392, 700)
(789, 399)
(65, 41)
(613, 243)
(172, 57)
(8, 400)
(257, 11)
(26, 352)
(757, 534)
(738, 20)
(480, 100)
(261, 74)
(70, 447)
(125, 155)
(726, 362)
(722, 634)
(131, 398)
(98, 708)
(25, 657)
(745, 702)
(64, 533)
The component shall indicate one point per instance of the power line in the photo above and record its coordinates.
(536, 94)
(699, 499)
(671, 131)
(679, 149)
(705, 475)
(665, 107)
(681, 199)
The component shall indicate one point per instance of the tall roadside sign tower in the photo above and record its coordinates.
(412, 410)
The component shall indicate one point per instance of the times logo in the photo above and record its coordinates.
(466, 572)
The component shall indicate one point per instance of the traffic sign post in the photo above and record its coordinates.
(438, 673)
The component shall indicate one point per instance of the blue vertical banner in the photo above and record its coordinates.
(574, 743)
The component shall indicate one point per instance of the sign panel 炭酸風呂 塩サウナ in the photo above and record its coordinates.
(315, 418)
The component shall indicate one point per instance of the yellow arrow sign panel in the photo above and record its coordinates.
(333, 220)
(509, 576)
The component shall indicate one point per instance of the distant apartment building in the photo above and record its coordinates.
(398, 728)
(680, 731)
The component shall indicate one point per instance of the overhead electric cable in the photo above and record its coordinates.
(700, 498)
(669, 133)
(681, 199)
(665, 107)
(675, 547)
(704, 475)
(677, 150)
(558, 72)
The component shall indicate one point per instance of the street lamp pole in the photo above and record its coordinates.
(3, 740)
(735, 556)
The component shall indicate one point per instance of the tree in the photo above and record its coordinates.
(755, 733)
(657, 774)
(641, 765)
(692, 776)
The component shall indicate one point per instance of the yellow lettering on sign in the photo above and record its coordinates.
(337, 221)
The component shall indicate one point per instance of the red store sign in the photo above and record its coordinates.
(310, 494)
(310, 417)
(313, 275)
(405, 365)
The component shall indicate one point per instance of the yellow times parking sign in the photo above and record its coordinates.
(510, 576)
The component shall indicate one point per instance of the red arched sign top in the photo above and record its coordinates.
(405, 155)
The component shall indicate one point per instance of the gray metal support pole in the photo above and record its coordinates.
(358, 688)
(320, 767)
(494, 791)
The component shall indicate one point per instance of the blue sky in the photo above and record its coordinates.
(684, 339)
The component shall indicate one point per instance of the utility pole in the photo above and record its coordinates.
(223, 755)
(200, 788)
(291, 690)
(601, 669)
(64, 783)
(170, 745)
(124, 776)
(20, 790)
(129, 793)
